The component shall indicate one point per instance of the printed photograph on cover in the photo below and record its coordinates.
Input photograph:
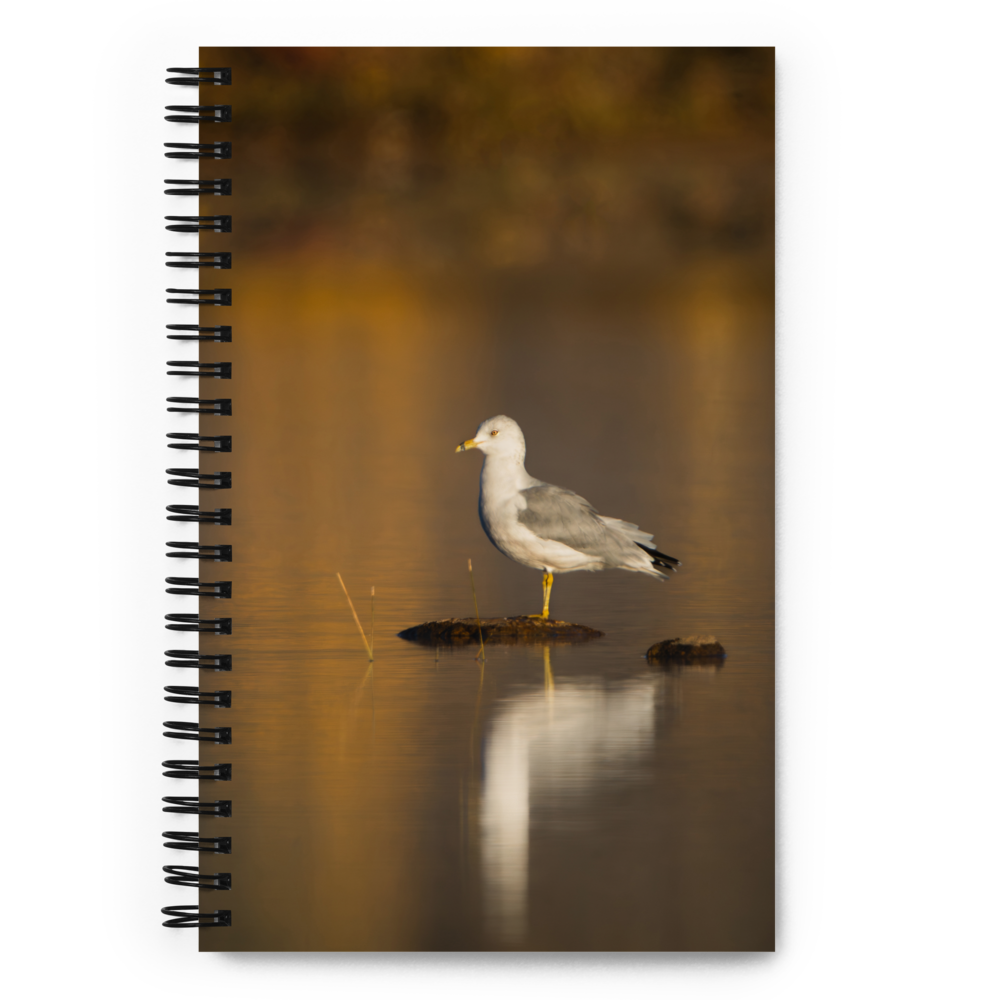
(502, 493)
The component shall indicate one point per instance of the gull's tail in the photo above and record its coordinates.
(662, 563)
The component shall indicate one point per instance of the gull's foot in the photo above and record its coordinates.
(543, 617)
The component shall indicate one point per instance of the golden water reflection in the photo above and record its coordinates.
(554, 745)
(562, 798)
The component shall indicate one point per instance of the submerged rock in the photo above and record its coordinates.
(464, 631)
(691, 648)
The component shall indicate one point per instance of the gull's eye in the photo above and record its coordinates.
(494, 433)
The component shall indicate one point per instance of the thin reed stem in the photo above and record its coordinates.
(475, 718)
(357, 621)
(475, 602)
(373, 656)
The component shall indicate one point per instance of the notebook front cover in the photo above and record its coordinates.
(423, 239)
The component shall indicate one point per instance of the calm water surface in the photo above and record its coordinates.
(562, 797)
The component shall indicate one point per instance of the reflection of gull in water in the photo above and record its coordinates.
(551, 746)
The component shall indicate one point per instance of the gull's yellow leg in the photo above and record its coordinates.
(547, 579)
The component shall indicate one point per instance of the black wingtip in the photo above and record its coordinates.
(661, 560)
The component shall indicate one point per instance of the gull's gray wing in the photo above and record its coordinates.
(563, 516)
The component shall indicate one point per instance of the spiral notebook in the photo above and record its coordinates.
(471, 519)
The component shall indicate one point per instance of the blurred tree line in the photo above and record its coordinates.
(444, 158)
(467, 104)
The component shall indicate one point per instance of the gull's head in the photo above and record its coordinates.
(498, 436)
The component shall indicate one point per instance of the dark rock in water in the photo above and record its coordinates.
(465, 631)
(690, 649)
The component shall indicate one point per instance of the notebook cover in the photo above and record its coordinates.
(582, 240)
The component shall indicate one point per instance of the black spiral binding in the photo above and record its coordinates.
(194, 806)
(220, 442)
(200, 223)
(200, 150)
(222, 261)
(219, 185)
(202, 734)
(181, 840)
(217, 75)
(216, 334)
(195, 770)
(202, 296)
(188, 875)
(192, 586)
(193, 513)
(192, 623)
(192, 550)
(203, 369)
(182, 917)
(210, 407)
(200, 661)
(183, 695)
(193, 113)
(196, 479)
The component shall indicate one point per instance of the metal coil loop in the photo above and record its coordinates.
(193, 514)
(193, 769)
(215, 185)
(221, 260)
(215, 150)
(192, 223)
(188, 875)
(220, 76)
(183, 695)
(192, 731)
(202, 296)
(181, 840)
(222, 443)
(206, 407)
(191, 805)
(201, 480)
(185, 916)
(192, 623)
(218, 334)
(205, 369)
(191, 586)
(206, 553)
(196, 659)
(192, 113)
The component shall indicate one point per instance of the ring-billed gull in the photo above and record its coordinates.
(546, 527)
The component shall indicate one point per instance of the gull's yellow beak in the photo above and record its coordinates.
(466, 445)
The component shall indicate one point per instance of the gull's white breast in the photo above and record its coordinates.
(500, 502)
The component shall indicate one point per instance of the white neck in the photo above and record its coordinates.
(504, 474)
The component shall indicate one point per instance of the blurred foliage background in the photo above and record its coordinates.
(445, 159)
